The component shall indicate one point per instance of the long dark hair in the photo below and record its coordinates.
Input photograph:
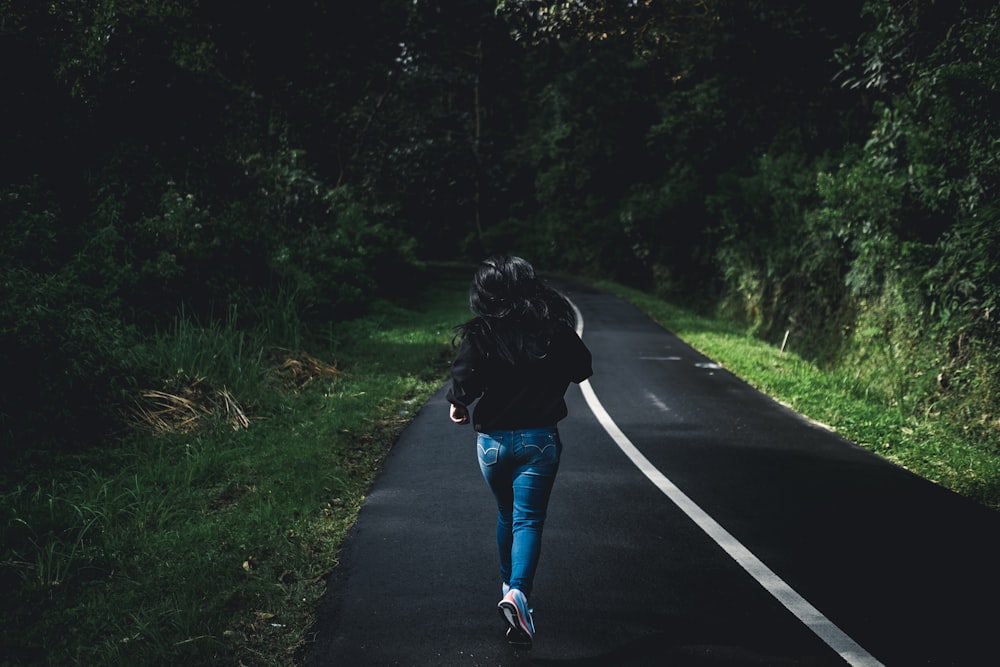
(516, 312)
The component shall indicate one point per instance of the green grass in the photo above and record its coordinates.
(210, 546)
(878, 404)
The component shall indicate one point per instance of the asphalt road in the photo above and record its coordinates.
(752, 537)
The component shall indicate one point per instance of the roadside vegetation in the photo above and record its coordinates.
(204, 534)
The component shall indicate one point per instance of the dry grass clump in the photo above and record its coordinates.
(187, 403)
(187, 406)
(299, 369)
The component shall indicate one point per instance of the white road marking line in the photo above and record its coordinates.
(834, 637)
(655, 400)
(660, 358)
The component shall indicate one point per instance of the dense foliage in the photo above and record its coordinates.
(822, 169)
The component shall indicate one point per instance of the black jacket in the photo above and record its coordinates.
(525, 395)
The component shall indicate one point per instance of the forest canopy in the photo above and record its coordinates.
(828, 169)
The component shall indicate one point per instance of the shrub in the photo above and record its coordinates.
(67, 360)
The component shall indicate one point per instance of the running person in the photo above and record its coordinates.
(517, 356)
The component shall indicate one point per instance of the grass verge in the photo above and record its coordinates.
(862, 404)
(203, 537)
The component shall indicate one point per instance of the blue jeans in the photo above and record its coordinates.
(520, 468)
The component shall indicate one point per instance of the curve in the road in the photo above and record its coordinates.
(848, 649)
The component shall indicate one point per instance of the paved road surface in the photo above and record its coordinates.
(828, 554)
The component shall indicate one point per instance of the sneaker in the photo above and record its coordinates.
(504, 589)
(514, 609)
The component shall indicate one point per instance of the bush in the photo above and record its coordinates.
(336, 261)
(782, 265)
(67, 360)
